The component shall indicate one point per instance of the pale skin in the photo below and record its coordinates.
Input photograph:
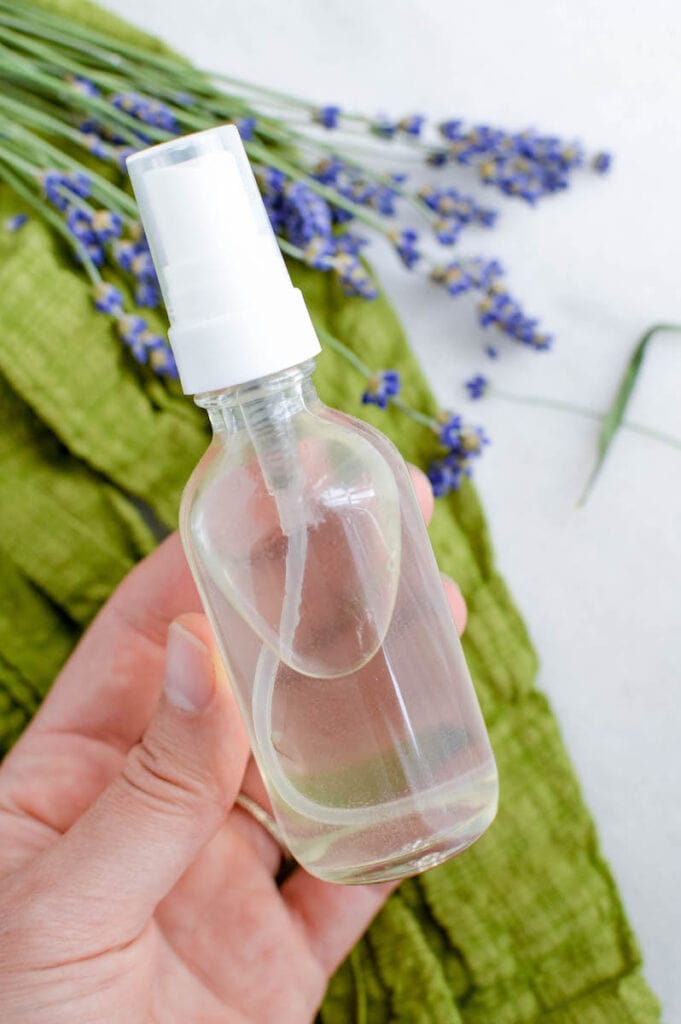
(132, 889)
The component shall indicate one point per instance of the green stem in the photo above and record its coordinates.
(127, 126)
(40, 119)
(74, 30)
(338, 346)
(160, 82)
(346, 353)
(414, 414)
(48, 215)
(108, 81)
(582, 410)
(17, 160)
(115, 198)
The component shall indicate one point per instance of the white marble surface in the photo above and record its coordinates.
(600, 587)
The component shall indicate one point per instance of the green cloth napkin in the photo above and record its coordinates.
(527, 925)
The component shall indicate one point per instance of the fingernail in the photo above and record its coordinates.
(190, 678)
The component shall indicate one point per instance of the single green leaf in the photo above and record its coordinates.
(615, 414)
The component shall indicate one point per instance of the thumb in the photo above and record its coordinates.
(176, 788)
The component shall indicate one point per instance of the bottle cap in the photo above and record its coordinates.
(234, 313)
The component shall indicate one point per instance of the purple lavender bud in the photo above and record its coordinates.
(405, 244)
(106, 225)
(477, 386)
(246, 128)
(601, 163)
(79, 223)
(381, 387)
(16, 222)
(108, 299)
(327, 116)
(449, 431)
(383, 128)
(147, 295)
(412, 124)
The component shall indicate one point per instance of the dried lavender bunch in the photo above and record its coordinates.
(65, 86)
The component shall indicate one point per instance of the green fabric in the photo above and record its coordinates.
(527, 925)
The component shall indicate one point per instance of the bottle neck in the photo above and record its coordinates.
(278, 396)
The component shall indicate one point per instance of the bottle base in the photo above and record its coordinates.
(414, 859)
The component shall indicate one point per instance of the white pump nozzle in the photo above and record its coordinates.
(235, 316)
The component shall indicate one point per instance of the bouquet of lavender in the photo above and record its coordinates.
(74, 104)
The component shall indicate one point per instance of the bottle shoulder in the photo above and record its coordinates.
(307, 502)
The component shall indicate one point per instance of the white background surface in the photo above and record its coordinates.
(600, 587)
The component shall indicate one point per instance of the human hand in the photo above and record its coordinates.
(132, 888)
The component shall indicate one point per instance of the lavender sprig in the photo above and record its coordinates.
(460, 442)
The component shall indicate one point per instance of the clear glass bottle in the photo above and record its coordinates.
(310, 551)
(311, 555)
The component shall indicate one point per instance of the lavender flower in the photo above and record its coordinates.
(246, 128)
(294, 209)
(59, 188)
(94, 252)
(447, 230)
(524, 164)
(451, 425)
(106, 225)
(161, 358)
(16, 222)
(78, 182)
(484, 273)
(141, 264)
(383, 127)
(464, 443)
(146, 110)
(319, 253)
(454, 211)
(327, 116)
(437, 158)
(94, 144)
(412, 124)
(352, 184)
(477, 386)
(454, 277)
(500, 309)
(602, 162)
(444, 476)
(147, 295)
(83, 85)
(404, 242)
(122, 154)
(450, 203)
(131, 331)
(353, 276)
(108, 299)
(472, 440)
(381, 388)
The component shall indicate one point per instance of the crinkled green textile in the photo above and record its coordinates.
(527, 925)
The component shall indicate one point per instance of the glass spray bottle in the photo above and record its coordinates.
(309, 549)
